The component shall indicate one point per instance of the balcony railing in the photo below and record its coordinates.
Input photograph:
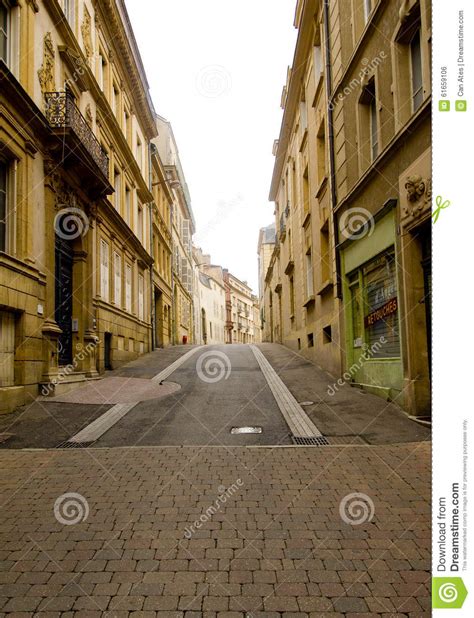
(63, 113)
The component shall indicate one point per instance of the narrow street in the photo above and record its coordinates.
(167, 513)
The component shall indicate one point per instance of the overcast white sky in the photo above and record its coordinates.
(216, 69)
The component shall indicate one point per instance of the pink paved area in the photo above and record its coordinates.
(116, 390)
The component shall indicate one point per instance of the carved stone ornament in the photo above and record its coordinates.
(415, 186)
(46, 72)
(65, 196)
(88, 114)
(86, 30)
(418, 198)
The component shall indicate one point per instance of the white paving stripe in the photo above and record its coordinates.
(97, 428)
(298, 421)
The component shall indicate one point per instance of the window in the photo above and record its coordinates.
(104, 270)
(374, 306)
(140, 297)
(7, 348)
(321, 152)
(117, 279)
(416, 71)
(3, 205)
(128, 288)
(69, 12)
(128, 205)
(4, 33)
(126, 123)
(139, 153)
(374, 136)
(292, 297)
(7, 205)
(101, 71)
(115, 101)
(117, 189)
(140, 223)
(367, 9)
(327, 334)
(310, 340)
(309, 275)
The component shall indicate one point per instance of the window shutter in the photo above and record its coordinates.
(118, 279)
(140, 297)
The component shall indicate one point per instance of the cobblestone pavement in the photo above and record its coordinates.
(216, 531)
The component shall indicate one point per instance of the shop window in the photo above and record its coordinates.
(374, 307)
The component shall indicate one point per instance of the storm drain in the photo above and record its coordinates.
(312, 441)
(68, 444)
(246, 430)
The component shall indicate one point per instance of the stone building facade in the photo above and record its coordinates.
(182, 230)
(349, 280)
(75, 247)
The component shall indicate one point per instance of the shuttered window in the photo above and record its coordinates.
(117, 279)
(104, 270)
(7, 348)
(128, 288)
(140, 297)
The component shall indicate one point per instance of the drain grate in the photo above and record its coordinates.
(235, 430)
(68, 444)
(311, 441)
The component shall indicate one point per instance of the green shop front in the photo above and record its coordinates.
(372, 308)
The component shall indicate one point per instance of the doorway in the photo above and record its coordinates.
(108, 351)
(64, 258)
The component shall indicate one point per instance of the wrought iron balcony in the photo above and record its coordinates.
(63, 113)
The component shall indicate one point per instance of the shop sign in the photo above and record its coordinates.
(382, 312)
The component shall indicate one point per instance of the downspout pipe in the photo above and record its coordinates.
(332, 158)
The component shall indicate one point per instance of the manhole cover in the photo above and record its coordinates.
(246, 430)
(304, 404)
(310, 441)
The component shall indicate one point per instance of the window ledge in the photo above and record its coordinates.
(309, 301)
(325, 287)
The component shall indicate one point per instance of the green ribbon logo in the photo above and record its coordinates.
(448, 592)
(440, 206)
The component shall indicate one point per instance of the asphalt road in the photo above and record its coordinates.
(224, 393)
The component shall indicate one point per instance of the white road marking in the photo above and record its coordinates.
(298, 421)
(97, 428)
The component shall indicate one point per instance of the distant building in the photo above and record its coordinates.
(266, 245)
(182, 230)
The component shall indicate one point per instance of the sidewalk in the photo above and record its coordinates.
(349, 412)
(285, 541)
